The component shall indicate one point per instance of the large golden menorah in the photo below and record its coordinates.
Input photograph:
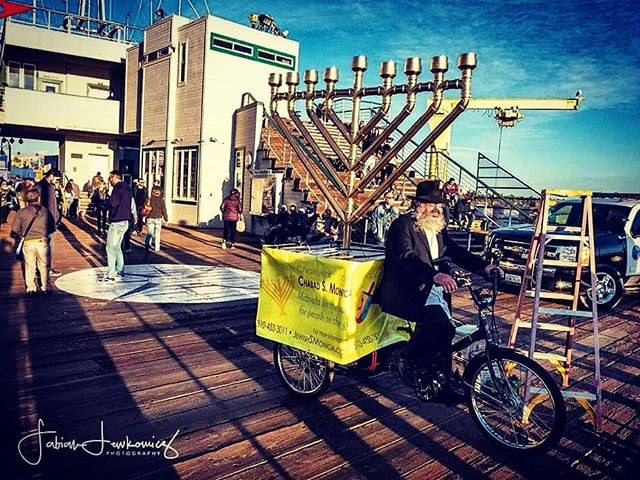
(345, 208)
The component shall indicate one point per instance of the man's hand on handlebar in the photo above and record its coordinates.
(446, 282)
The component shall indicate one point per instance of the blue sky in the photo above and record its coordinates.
(525, 48)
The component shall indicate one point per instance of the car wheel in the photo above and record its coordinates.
(609, 289)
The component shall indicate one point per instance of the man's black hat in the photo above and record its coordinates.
(428, 191)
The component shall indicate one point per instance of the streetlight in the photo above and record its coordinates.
(8, 142)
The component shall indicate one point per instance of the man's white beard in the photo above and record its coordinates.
(427, 223)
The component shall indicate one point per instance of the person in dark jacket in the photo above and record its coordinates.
(231, 209)
(120, 214)
(48, 199)
(276, 233)
(155, 219)
(413, 286)
(140, 196)
(101, 204)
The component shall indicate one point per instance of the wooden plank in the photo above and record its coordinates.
(199, 369)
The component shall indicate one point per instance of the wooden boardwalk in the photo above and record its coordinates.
(146, 371)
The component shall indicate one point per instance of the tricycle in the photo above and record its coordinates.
(511, 398)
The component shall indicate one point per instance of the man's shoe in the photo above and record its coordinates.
(47, 292)
(224, 245)
(54, 273)
(107, 279)
(119, 275)
(32, 293)
(429, 386)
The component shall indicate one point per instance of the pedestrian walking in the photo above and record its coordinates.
(140, 195)
(100, 201)
(231, 209)
(119, 217)
(31, 228)
(157, 216)
(48, 199)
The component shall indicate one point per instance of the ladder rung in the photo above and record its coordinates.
(544, 355)
(562, 228)
(563, 311)
(559, 263)
(574, 394)
(563, 192)
(546, 326)
(566, 236)
(553, 295)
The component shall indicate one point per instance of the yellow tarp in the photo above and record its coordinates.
(323, 305)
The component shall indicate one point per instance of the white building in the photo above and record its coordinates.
(66, 86)
(183, 85)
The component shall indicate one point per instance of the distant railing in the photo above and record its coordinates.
(79, 25)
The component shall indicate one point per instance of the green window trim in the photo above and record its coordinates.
(258, 52)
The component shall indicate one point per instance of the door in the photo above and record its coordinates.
(99, 163)
(632, 232)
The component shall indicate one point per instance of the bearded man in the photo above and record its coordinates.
(413, 287)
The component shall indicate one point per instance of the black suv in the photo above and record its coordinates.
(617, 246)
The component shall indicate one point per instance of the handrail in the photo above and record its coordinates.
(248, 98)
(103, 29)
(511, 176)
(268, 141)
(484, 185)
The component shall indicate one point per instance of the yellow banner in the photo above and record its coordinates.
(323, 305)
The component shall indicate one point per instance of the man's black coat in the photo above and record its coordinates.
(408, 267)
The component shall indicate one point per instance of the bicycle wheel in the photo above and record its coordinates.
(303, 373)
(523, 409)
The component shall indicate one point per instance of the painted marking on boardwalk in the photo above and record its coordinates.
(165, 283)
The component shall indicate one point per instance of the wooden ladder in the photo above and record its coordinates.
(536, 261)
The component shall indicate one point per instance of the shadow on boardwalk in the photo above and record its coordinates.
(148, 370)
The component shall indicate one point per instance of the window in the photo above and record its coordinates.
(185, 174)
(50, 87)
(182, 59)
(284, 60)
(275, 57)
(635, 227)
(218, 42)
(29, 76)
(243, 49)
(266, 55)
(606, 217)
(253, 52)
(153, 167)
(232, 46)
(162, 52)
(14, 74)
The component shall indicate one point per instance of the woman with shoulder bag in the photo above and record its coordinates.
(231, 209)
(156, 213)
